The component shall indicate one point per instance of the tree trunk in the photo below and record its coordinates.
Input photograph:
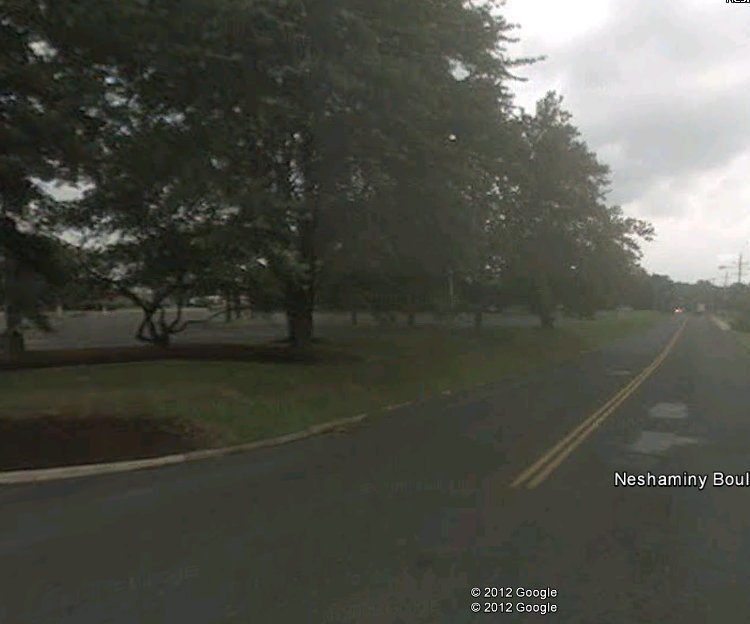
(162, 339)
(300, 324)
(301, 288)
(237, 301)
(546, 318)
(478, 318)
(13, 342)
(299, 316)
(411, 319)
(355, 318)
(543, 303)
(227, 307)
(154, 332)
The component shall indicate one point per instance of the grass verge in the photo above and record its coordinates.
(245, 401)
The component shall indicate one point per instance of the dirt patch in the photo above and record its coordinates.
(51, 441)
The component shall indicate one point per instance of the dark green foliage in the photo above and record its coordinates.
(363, 155)
(554, 237)
(44, 137)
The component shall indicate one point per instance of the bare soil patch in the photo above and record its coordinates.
(51, 441)
(267, 353)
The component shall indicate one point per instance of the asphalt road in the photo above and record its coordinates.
(396, 522)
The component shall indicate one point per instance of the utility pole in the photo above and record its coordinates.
(738, 264)
(712, 281)
(739, 269)
(451, 291)
(725, 268)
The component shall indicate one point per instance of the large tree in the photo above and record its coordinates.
(180, 174)
(45, 130)
(397, 102)
(562, 244)
(324, 142)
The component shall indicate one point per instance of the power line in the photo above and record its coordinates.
(739, 265)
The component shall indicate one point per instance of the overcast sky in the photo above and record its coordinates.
(661, 91)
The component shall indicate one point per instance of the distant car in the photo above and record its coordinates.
(679, 310)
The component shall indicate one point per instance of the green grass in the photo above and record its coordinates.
(729, 317)
(248, 401)
(744, 339)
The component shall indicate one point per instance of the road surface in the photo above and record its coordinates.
(397, 521)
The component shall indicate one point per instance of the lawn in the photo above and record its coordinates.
(243, 401)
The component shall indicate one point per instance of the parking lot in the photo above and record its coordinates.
(117, 328)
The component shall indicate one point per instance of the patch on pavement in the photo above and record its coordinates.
(656, 442)
(451, 531)
(668, 410)
(619, 373)
(486, 430)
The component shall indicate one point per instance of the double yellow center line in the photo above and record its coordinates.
(549, 462)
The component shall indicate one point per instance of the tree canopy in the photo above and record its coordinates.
(350, 153)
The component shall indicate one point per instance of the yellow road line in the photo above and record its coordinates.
(549, 461)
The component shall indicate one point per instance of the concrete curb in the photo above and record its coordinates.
(18, 477)
(88, 470)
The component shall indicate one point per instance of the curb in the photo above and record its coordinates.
(41, 475)
(88, 470)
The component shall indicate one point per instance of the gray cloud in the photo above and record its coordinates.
(643, 82)
(661, 91)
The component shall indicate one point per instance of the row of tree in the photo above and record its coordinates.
(356, 154)
(659, 292)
